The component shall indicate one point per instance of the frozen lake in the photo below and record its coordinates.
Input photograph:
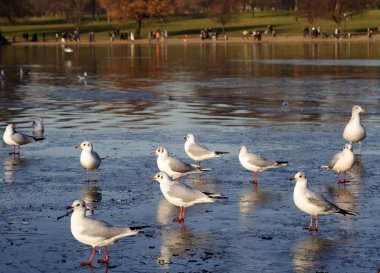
(285, 101)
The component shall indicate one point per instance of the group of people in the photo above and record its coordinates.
(209, 34)
(157, 35)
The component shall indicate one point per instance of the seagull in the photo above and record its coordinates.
(174, 167)
(182, 195)
(15, 139)
(89, 159)
(38, 127)
(84, 77)
(354, 131)
(342, 161)
(2, 75)
(24, 71)
(198, 152)
(256, 163)
(94, 232)
(312, 203)
(68, 49)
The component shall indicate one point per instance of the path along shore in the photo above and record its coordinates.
(222, 39)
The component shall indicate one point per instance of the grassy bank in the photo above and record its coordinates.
(284, 24)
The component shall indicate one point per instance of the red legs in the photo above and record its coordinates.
(15, 150)
(255, 177)
(344, 178)
(106, 258)
(94, 176)
(310, 227)
(89, 262)
(255, 188)
(181, 216)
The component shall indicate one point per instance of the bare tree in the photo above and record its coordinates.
(12, 9)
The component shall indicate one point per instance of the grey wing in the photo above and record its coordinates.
(260, 161)
(180, 166)
(198, 149)
(335, 159)
(101, 229)
(184, 192)
(96, 155)
(321, 202)
(22, 138)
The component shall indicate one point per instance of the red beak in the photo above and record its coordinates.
(152, 178)
(69, 207)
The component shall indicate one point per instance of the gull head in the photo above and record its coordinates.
(85, 145)
(357, 109)
(10, 128)
(348, 146)
(78, 205)
(161, 151)
(243, 148)
(160, 177)
(299, 177)
(190, 137)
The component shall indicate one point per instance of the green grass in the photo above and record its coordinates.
(283, 22)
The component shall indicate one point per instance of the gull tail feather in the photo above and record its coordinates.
(326, 167)
(282, 163)
(220, 153)
(347, 212)
(215, 195)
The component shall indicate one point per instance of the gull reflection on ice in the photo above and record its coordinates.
(91, 195)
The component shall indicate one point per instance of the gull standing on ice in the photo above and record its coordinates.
(342, 162)
(94, 232)
(256, 163)
(354, 131)
(38, 127)
(312, 203)
(198, 152)
(174, 167)
(89, 159)
(182, 195)
(83, 78)
(15, 139)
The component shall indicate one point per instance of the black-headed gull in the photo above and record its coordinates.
(94, 232)
(312, 203)
(89, 159)
(198, 152)
(354, 131)
(83, 78)
(342, 162)
(256, 163)
(174, 167)
(15, 139)
(182, 195)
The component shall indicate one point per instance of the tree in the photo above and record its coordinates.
(224, 11)
(123, 10)
(12, 9)
(336, 10)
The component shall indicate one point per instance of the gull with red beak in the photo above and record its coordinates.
(96, 233)
(342, 162)
(182, 195)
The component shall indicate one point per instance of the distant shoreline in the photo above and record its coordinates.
(193, 40)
